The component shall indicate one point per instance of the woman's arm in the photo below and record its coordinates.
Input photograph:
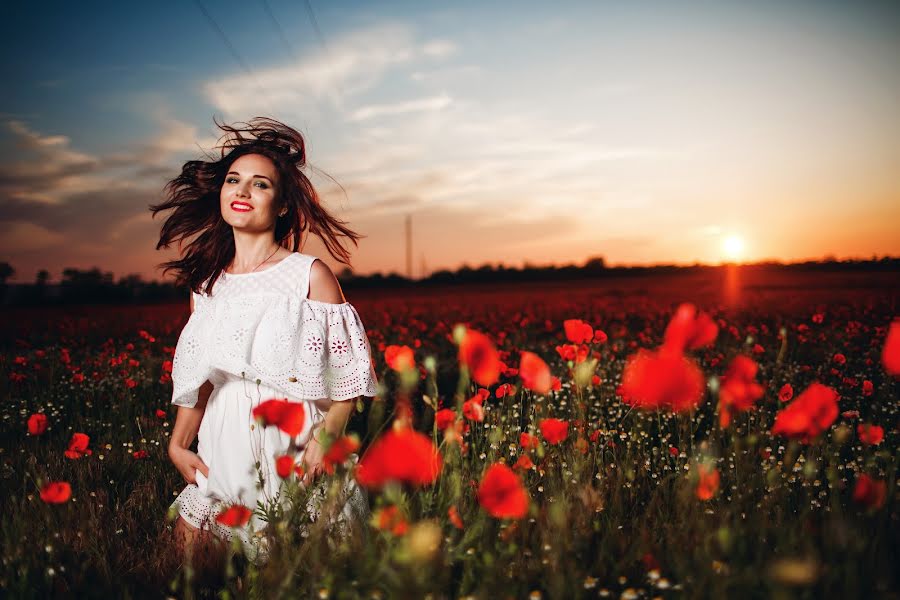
(187, 420)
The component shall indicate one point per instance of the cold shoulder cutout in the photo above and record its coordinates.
(262, 325)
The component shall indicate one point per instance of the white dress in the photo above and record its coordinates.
(258, 336)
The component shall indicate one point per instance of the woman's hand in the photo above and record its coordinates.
(187, 463)
(312, 460)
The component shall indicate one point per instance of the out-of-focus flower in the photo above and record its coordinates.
(810, 414)
(577, 331)
(502, 494)
(708, 482)
(444, 418)
(236, 515)
(403, 455)
(478, 354)
(288, 416)
(339, 451)
(473, 411)
(890, 355)
(284, 465)
(390, 519)
(786, 392)
(78, 446)
(739, 391)
(528, 441)
(554, 430)
(454, 517)
(37, 423)
(56, 492)
(524, 463)
(399, 358)
(662, 379)
(869, 492)
(870, 434)
(535, 373)
(690, 329)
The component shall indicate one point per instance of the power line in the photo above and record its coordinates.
(236, 55)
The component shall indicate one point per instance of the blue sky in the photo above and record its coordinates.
(511, 132)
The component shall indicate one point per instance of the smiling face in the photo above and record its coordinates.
(249, 193)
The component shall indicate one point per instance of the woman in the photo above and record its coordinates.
(267, 322)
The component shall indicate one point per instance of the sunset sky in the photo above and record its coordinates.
(643, 132)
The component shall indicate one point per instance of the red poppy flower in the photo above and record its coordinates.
(535, 373)
(37, 423)
(78, 446)
(810, 414)
(690, 329)
(870, 435)
(399, 358)
(662, 379)
(869, 492)
(577, 331)
(235, 515)
(288, 416)
(501, 493)
(738, 392)
(554, 430)
(524, 463)
(284, 465)
(600, 336)
(708, 483)
(391, 519)
(56, 492)
(139, 454)
(528, 441)
(160, 413)
(890, 355)
(444, 418)
(454, 517)
(473, 411)
(403, 455)
(867, 387)
(786, 392)
(478, 354)
(339, 451)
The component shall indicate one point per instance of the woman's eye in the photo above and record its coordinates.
(230, 179)
(264, 186)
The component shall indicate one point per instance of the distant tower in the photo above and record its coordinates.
(409, 272)
(423, 267)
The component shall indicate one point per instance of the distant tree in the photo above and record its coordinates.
(41, 279)
(6, 271)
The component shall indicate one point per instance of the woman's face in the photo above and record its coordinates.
(249, 193)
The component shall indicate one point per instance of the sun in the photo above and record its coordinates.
(733, 247)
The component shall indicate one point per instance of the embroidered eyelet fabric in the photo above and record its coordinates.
(262, 325)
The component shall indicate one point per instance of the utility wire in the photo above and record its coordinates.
(237, 57)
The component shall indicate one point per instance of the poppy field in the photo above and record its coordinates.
(669, 438)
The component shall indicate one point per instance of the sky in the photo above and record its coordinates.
(508, 133)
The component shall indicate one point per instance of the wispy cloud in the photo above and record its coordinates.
(399, 108)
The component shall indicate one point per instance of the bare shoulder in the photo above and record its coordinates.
(323, 285)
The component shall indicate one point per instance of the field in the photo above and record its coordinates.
(635, 488)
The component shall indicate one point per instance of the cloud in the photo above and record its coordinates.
(351, 64)
(423, 104)
(439, 48)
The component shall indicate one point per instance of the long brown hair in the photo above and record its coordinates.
(194, 196)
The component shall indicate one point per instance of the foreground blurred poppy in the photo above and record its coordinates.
(535, 373)
(662, 379)
(708, 483)
(870, 434)
(339, 451)
(37, 423)
(738, 392)
(235, 515)
(78, 446)
(402, 455)
(288, 416)
(478, 354)
(690, 329)
(577, 331)
(554, 430)
(399, 358)
(890, 356)
(814, 410)
(284, 465)
(501, 493)
(390, 519)
(869, 492)
(56, 492)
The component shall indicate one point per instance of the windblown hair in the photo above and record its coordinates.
(194, 196)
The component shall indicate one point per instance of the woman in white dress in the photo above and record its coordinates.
(267, 322)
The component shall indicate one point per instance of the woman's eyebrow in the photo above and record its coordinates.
(262, 176)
